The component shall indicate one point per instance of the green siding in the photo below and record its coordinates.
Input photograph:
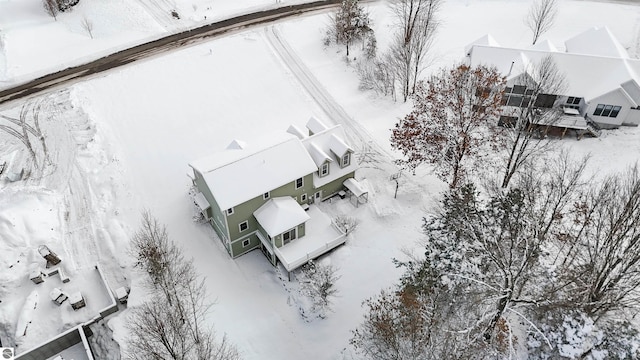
(245, 210)
(238, 249)
(216, 216)
(330, 189)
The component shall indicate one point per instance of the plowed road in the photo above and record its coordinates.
(146, 50)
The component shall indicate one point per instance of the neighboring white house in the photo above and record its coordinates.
(602, 80)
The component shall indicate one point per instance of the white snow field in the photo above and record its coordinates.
(121, 143)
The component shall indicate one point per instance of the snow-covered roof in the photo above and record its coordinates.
(597, 41)
(544, 45)
(484, 40)
(586, 76)
(338, 146)
(237, 145)
(296, 131)
(75, 297)
(315, 126)
(318, 155)
(595, 63)
(235, 176)
(633, 90)
(327, 142)
(355, 187)
(280, 214)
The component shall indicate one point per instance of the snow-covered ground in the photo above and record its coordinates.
(122, 142)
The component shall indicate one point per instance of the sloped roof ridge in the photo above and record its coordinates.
(252, 152)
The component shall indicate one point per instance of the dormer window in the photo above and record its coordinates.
(346, 159)
(324, 169)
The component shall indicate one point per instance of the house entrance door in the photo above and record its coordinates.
(288, 236)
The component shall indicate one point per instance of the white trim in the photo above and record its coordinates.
(246, 240)
(303, 198)
(266, 196)
(227, 240)
(240, 226)
(229, 211)
(322, 168)
(295, 183)
(345, 163)
(317, 195)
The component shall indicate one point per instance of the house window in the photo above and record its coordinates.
(246, 242)
(615, 111)
(324, 170)
(317, 195)
(303, 198)
(288, 236)
(607, 110)
(573, 100)
(266, 195)
(346, 159)
(243, 226)
(230, 211)
(518, 96)
(299, 183)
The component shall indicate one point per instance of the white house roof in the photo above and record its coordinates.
(327, 142)
(237, 145)
(586, 76)
(318, 155)
(544, 45)
(633, 90)
(357, 188)
(484, 40)
(315, 126)
(237, 175)
(338, 146)
(597, 41)
(296, 131)
(279, 215)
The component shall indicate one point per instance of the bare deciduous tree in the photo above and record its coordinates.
(172, 324)
(418, 24)
(51, 7)
(541, 17)
(378, 76)
(532, 113)
(600, 259)
(448, 124)
(87, 25)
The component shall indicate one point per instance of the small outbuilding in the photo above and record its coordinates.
(77, 300)
(122, 293)
(358, 193)
(36, 276)
(57, 296)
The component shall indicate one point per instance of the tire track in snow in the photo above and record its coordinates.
(160, 11)
(355, 131)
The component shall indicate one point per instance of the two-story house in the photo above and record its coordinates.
(601, 79)
(261, 194)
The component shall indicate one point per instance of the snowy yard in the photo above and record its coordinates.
(123, 142)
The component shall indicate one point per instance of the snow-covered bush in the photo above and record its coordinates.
(317, 284)
(346, 223)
